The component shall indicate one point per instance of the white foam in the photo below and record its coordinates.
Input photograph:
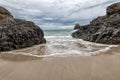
(65, 46)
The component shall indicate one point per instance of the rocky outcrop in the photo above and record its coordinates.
(112, 9)
(77, 26)
(17, 33)
(104, 29)
(4, 13)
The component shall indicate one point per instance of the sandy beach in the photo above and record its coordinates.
(100, 67)
(35, 63)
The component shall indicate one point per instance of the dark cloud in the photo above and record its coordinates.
(61, 13)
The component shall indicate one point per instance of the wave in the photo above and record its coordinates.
(60, 46)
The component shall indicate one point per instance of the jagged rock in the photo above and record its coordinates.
(17, 33)
(104, 29)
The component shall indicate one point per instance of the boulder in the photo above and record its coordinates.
(103, 29)
(77, 26)
(17, 33)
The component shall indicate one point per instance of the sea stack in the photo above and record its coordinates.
(77, 26)
(17, 33)
(104, 29)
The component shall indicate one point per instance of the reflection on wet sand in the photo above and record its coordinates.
(18, 57)
(31, 53)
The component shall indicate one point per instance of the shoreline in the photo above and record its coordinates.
(26, 64)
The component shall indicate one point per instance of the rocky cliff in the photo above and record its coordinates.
(104, 29)
(17, 33)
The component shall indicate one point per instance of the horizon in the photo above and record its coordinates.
(57, 14)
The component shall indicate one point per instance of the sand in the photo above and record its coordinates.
(100, 67)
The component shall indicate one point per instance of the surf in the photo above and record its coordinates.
(60, 46)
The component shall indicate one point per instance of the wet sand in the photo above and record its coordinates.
(100, 67)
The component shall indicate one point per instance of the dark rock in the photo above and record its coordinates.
(17, 33)
(77, 26)
(104, 29)
(4, 13)
(114, 8)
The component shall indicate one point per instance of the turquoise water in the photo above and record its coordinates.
(57, 32)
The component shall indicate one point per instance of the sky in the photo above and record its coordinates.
(57, 14)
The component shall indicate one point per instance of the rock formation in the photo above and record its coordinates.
(77, 26)
(4, 13)
(17, 33)
(104, 29)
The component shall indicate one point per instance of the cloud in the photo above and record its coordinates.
(52, 14)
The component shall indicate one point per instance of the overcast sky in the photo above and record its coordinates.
(57, 14)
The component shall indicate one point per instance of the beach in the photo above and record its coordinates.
(62, 58)
(104, 67)
(59, 40)
(99, 67)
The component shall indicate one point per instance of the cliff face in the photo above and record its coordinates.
(104, 29)
(17, 33)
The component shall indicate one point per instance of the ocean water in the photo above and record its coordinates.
(60, 43)
(56, 33)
